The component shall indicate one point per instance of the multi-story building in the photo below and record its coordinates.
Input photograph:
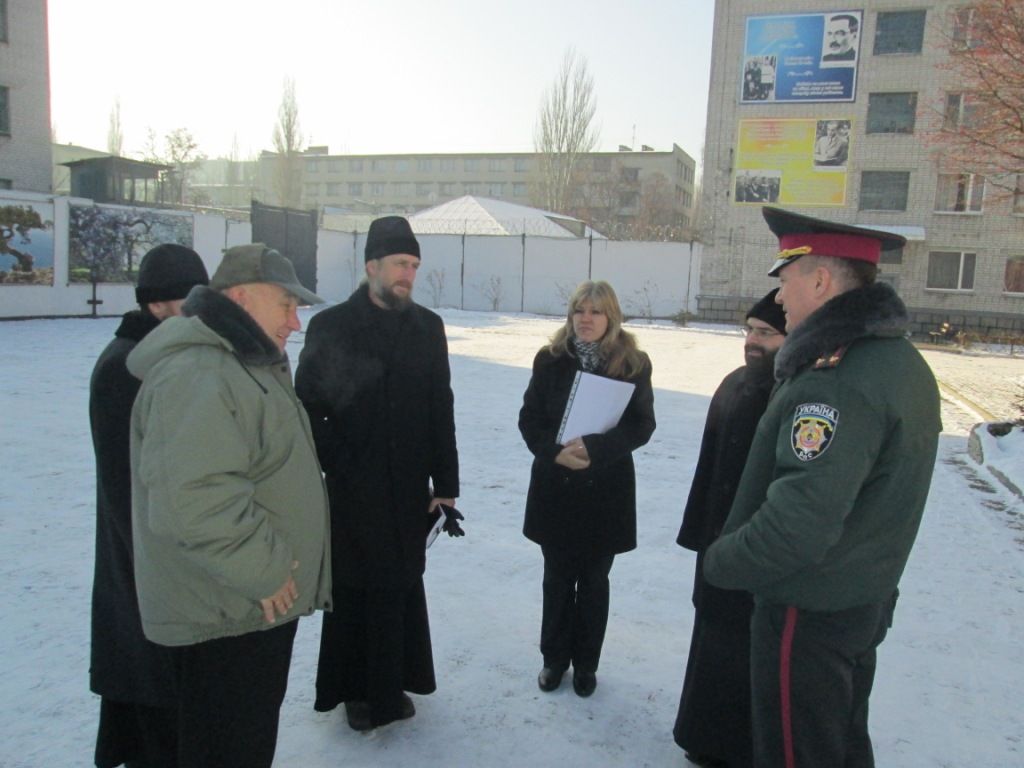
(25, 161)
(833, 111)
(613, 184)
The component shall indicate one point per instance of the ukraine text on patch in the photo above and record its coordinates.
(814, 426)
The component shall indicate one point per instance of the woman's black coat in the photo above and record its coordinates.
(124, 665)
(590, 511)
(377, 388)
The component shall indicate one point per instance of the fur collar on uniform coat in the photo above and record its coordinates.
(872, 310)
(232, 323)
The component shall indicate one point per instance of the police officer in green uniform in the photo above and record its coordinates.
(832, 494)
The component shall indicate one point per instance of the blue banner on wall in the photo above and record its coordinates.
(803, 57)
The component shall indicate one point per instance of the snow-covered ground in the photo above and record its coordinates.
(950, 676)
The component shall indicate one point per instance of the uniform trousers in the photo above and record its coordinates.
(136, 735)
(575, 615)
(811, 677)
(230, 694)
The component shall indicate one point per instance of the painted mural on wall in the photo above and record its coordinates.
(792, 161)
(106, 243)
(26, 243)
(803, 57)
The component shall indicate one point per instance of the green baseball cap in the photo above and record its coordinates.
(256, 263)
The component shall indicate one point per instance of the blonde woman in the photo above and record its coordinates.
(581, 506)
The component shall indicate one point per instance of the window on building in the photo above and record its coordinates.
(895, 256)
(471, 164)
(424, 164)
(519, 189)
(355, 166)
(891, 278)
(312, 166)
(961, 112)
(496, 189)
(891, 112)
(3, 21)
(602, 164)
(960, 192)
(402, 165)
(355, 187)
(630, 174)
(951, 270)
(1018, 194)
(377, 165)
(471, 188)
(496, 164)
(628, 199)
(963, 32)
(884, 190)
(448, 164)
(6, 184)
(1013, 280)
(377, 189)
(333, 189)
(5, 111)
(521, 165)
(899, 32)
(402, 188)
(447, 187)
(335, 166)
(423, 189)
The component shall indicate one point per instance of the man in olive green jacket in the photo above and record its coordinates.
(228, 505)
(831, 497)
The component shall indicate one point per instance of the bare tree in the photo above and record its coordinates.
(435, 279)
(181, 152)
(564, 131)
(115, 134)
(980, 128)
(288, 142)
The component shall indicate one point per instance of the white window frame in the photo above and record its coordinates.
(959, 288)
(968, 193)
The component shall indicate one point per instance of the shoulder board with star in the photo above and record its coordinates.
(831, 360)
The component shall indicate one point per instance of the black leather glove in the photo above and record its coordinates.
(451, 520)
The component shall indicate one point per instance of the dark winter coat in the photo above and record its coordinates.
(832, 495)
(377, 386)
(735, 410)
(227, 496)
(124, 665)
(593, 510)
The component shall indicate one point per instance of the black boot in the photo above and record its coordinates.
(550, 678)
(583, 683)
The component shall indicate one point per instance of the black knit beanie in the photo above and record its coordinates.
(388, 235)
(769, 312)
(168, 272)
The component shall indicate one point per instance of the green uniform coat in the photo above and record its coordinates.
(837, 477)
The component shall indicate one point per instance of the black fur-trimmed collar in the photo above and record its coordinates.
(872, 310)
(232, 323)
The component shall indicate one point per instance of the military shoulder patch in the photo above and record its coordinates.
(814, 426)
(831, 360)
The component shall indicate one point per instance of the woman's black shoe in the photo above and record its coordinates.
(550, 678)
(583, 683)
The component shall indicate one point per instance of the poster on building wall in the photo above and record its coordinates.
(804, 57)
(106, 243)
(26, 243)
(792, 161)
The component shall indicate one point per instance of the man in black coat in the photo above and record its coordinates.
(131, 674)
(713, 723)
(374, 377)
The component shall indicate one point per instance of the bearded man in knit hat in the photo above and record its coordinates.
(374, 377)
(713, 723)
(832, 494)
(131, 675)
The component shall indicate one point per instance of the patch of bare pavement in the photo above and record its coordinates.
(976, 385)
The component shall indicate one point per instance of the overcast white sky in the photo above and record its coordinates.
(375, 76)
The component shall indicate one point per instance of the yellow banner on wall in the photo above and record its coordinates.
(792, 161)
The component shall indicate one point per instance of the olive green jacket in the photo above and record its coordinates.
(226, 488)
(836, 481)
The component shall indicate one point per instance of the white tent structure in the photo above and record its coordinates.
(471, 215)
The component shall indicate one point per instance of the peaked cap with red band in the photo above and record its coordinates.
(802, 235)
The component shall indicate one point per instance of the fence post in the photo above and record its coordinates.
(522, 275)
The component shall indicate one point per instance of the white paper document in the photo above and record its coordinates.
(596, 403)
